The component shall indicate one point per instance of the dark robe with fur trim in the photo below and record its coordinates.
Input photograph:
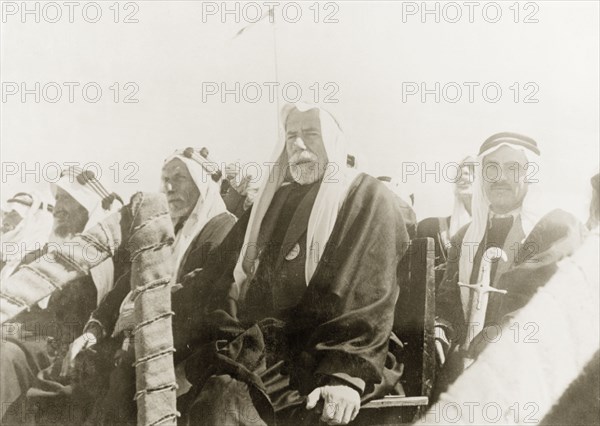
(284, 339)
(556, 236)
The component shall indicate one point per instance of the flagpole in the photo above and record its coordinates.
(276, 72)
(271, 15)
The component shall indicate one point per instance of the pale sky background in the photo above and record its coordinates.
(368, 54)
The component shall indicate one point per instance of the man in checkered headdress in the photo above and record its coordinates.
(499, 260)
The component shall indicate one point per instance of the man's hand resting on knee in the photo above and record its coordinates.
(341, 403)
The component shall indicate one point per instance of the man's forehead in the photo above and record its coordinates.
(66, 194)
(61, 191)
(175, 165)
(505, 154)
(301, 119)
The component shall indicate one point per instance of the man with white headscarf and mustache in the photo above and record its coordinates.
(297, 304)
(498, 261)
(200, 221)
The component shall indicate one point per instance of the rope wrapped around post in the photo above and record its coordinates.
(146, 228)
(149, 246)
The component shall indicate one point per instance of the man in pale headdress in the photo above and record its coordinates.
(201, 221)
(26, 226)
(297, 304)
(43, 334)
(443, 229)
(508, 251)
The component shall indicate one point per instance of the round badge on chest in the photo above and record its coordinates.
(293, 253)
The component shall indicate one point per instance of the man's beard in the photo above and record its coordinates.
(305, 172)
(65, 227)
(67, 230)
(62, 233)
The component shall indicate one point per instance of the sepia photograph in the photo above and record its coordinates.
(356, 212)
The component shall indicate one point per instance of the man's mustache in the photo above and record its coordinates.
(172, 196)
(501, 186)
(60, 214)
(303, 157)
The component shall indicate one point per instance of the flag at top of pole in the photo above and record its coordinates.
(268, 13)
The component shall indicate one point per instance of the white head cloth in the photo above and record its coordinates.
(530, 212)
(331, 195)
(209, 204)
(30, 234)
(460, 215)
(88, 191)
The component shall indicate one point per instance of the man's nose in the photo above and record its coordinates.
(168, 187)
(299, 143)
(509, 175)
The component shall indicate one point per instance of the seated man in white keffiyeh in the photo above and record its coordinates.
(293, 314)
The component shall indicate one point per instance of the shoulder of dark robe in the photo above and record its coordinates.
(557, 235)
(346, 315)
(211, 236)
